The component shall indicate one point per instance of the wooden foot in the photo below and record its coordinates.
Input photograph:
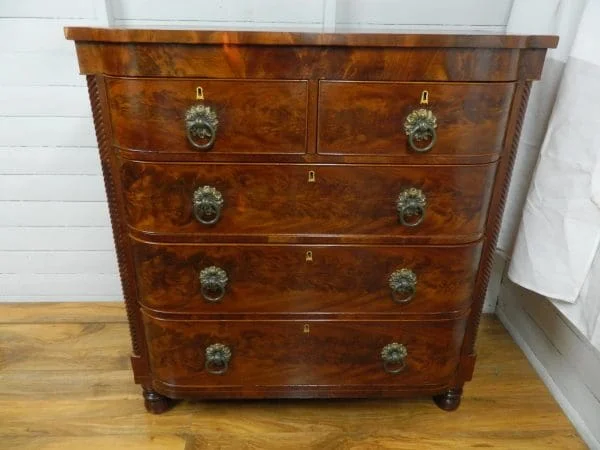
(156, 403)
(449, 400)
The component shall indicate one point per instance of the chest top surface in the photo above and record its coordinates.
(293, 55)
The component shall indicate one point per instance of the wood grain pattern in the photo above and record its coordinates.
(493, 225)
(280, 354)
(109, 312)
(47, 348)
(368, 118)
(80, 408)
(112, 183)
(254, 116)
(278, 279)
(295, 63)
(319, 39)
(277, 199)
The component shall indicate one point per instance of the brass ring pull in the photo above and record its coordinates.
(403, 284)
(420, 125)
(216, 360)
(410, 206)
(213, 281)
(201, 123)
(207, 205)
(394, 356)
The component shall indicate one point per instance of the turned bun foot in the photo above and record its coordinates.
(449, 400)
(156, 403)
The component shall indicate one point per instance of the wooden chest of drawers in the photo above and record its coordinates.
(305, 215)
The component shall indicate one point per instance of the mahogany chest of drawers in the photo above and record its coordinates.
(305, 215)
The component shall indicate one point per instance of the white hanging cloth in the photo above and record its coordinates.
(556, 251)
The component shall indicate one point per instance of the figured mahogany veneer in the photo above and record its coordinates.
(310, 155)
(302, 353)
(278, 278)
(278, 199)
(254, 116)
(368, 118)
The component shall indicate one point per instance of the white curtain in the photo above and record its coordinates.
(557, 248)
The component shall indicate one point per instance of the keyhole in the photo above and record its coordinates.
(199, 93)
(424, 98)
(309, 256)
(306, 328)
(311, 176)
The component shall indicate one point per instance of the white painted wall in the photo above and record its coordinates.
(55, 240)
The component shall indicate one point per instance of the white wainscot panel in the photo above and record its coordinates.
(59, 101)
(47, 131)
(59, 238)
(67, 285)
(67, 9)
(52, 187)
(73, 262)
(229, 11)
(49, 160)
(54, 214)
(432, 13)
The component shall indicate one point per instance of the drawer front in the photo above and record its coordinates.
(369, 118)
(298, 278)
(252, 116)
(281, 199)
(283, 353)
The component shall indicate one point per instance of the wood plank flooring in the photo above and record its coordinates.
(65, 383)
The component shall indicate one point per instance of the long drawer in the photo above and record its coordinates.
(245, 116)
(255, 353)
(233, 278)
(303, 199)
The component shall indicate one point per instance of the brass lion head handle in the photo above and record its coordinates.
(411, 205)
(201, 125)
(207, 203)
(403, 284)
(213, 282)
(420, 125)
(393, 356)
(216, 359)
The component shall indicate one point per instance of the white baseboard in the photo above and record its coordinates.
(575, 392)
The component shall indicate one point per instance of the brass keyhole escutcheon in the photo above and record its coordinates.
(309, 256)
(199, 93)
(311, 176)
(306, 328)
(424, 98)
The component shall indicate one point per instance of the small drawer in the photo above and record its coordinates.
(216, 116)
(457, 120)
(448, 202)
(234, 278)
(251, 353)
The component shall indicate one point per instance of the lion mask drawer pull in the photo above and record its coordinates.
(410, 205)
(393, 356)
(403, 284)
(216, 359)
(213, 282)
(201, 125)
(207, 203)
(420, 125)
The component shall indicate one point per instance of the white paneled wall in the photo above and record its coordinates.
(55, 240)
(423, 15)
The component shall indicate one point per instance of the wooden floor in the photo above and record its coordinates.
(65, 383)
